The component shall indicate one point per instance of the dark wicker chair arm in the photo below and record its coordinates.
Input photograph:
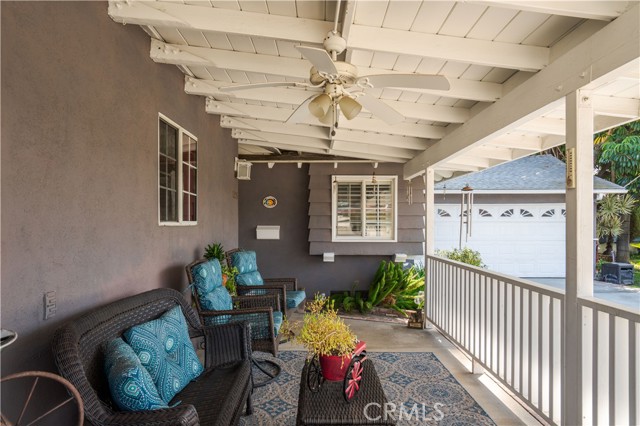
(226, 344)
(181, 415)
(290, 283)
(278, 289)
(266, 301)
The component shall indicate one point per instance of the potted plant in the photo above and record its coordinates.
(216, 251)
(416, 318)
(325, 335)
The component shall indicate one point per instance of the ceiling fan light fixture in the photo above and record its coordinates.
(320, 105)
(349, 107)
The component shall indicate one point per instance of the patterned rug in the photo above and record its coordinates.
(423, 390)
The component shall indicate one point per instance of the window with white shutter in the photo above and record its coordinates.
(364, 208)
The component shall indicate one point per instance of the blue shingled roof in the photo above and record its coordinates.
(534, 173)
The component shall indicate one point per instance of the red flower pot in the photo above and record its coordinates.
(333, 367)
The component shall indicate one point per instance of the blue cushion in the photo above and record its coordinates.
(295, 297)
(165, 350)
(259, 328)
(207, 276)
(250, 278)
(218, 299)
(131, 386)
(244, 261)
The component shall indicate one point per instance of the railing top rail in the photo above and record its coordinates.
(610, 308)
(520, 282)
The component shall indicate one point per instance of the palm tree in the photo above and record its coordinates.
(609, 217)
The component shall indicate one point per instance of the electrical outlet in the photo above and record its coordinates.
(49, 304)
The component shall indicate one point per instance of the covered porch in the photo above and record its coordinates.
(85, 213)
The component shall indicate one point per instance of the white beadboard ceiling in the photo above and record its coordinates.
(510, 65)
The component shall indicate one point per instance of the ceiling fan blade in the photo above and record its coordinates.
(380, 109)
(319, 58)
(301, 112)
(414, 81)
(258, 86)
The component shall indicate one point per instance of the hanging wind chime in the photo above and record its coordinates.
(466, 213)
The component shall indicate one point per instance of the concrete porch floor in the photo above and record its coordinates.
(397, 337)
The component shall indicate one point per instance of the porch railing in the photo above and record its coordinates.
(514, 329)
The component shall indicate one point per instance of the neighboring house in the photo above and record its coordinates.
(518, 215)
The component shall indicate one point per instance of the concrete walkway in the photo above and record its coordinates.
(621, 294)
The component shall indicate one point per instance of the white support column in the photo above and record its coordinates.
(429, 212)
(579, 248)
(429, 234)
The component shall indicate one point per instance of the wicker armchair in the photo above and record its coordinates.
(250, 282)
(217, 397)
(215, 306)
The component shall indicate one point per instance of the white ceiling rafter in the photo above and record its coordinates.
(295, 97)
(593, 59)
(358, 123)
(448, 48)
(321, 132)
(600, 10)
(210, 19)
(295, 68)
(491, 113)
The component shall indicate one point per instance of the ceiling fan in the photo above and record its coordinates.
(342, 89)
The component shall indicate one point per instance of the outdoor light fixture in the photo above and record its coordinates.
(320, 105)
(349, 107)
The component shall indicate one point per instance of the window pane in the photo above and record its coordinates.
(168, 206)
(379, 211)
(189, 151)
(349, 209)
(193, 181)
(189, 208)
(163, 137)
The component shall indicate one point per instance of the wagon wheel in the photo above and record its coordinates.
(29, 414)
(353, 379)
(314, 375)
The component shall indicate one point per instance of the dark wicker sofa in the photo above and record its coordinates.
(217, 397)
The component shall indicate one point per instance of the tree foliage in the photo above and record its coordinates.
(617, 156)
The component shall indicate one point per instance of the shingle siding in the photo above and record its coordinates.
(410, 230)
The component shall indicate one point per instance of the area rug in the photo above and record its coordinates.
(419, 385)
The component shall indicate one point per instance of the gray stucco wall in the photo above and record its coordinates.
(289, 256)
(80, 103)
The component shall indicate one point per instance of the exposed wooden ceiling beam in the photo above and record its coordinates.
(179, 15)
(612, 47)
(323, 132)
(297, 68)
(361, 155)
(299, 30)
(615, 106)
(295, 97)
(600, 10)
(316, 143)
(448, 48)
(358, 123)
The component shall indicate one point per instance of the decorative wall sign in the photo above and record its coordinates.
(269, 202)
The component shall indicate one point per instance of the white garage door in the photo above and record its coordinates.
(526, 240)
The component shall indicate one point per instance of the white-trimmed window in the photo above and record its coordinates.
(364, 208)
(177, 174)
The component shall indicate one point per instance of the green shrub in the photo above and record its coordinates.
(465, 255)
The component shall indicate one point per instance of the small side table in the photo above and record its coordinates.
(328, 407)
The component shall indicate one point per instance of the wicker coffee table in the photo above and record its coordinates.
(327, 406)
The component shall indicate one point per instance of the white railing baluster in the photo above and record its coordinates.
(515, 330)
(612, 369)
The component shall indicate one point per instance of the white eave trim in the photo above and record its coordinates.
(526, 191)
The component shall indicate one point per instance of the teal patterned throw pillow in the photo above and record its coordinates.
(165, 350)
(131, 386)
